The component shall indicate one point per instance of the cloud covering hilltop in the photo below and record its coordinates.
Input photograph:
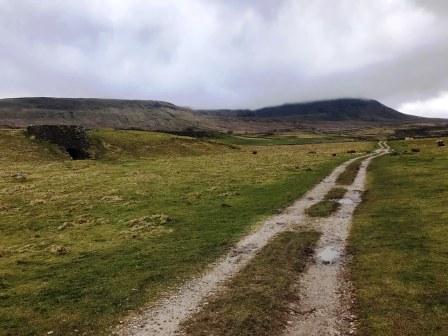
(228, 53)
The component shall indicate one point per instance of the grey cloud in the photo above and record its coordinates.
(225, 53)
(437, 6)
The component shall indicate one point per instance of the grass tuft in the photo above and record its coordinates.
(323, 209)
(256, 300)
(348, 176)
(328, 205)
(335, 193)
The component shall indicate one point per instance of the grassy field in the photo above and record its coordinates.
(125, 145)
(82, 243)
(291, 138)
(256, 300)
(399, 241)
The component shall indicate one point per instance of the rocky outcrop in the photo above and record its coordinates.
(73, 139)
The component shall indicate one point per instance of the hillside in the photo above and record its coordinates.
(163, 116)
(326, 110)
(98, 113)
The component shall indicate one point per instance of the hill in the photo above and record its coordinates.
(98, 113)
(163, 116)
(326, 110)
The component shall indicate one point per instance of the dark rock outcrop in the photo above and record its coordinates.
(72, 139)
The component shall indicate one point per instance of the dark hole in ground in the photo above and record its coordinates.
(72, 138)
(77, 154)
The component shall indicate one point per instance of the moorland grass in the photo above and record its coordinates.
(82, 243)
(297, 138)
(255, 301)
(399, 243)
(122, 145)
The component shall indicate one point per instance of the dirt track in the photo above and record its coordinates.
(164, 318)
(324, 290)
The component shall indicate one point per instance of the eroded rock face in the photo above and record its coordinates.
(71, 138)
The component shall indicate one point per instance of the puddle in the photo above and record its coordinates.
(328, 255)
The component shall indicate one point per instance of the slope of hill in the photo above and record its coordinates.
(96, 113)
(326, 110)
(163, 116)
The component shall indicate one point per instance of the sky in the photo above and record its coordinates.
(228, 53)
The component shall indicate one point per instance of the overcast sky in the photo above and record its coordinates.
(228, 53)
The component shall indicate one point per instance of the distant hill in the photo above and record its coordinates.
(98, 113)
(163, 116)
(327, 110)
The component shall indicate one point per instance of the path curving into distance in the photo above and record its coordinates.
(324, 291)
(165, 317)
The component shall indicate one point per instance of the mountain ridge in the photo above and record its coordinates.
(164, 116)
(325, 110)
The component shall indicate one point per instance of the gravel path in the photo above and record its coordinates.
(164, 318)
(324, 307)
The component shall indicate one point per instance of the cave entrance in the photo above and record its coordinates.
(77, 154)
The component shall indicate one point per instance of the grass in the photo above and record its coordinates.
(291, 138)
(399, 242)
(335, 193)
(323, 208)
(347, 177)
(124, 145)
(328, 205)
(82, 243)
(255, 301)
